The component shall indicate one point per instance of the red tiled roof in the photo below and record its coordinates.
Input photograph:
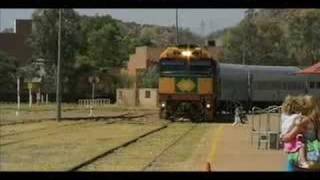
(315, 69)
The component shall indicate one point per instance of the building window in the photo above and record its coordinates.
(311, 85)
(147, 94)
(120, 94)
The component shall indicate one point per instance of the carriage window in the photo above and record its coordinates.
(318, 85)
(301, 85)
(293, 86)
(311, 85)
(147, 94)
(276, 85)
(284, 86)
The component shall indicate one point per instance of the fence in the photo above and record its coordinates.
(266, 126)
(94, 102)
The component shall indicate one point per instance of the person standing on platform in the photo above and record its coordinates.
(237, 119)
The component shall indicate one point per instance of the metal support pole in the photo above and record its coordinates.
(92, 95)
(18, 96)
(38, 96)
(58, 95)
(243, 56)
(30, 97)
(252, 127)
(0, 21)
(92, 99)
(47, 98)
(177, 27)
(259, 131)
(42, 99)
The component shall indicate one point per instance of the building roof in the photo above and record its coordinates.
(314, 69)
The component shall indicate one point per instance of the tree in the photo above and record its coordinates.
(188, 37)
(242, 41)
(151, 78)
(304, 37)
(104, 46)
(273, 46)
(8, 72)
(149, 36)
(257, 41)
(242, 44)
(44, 39)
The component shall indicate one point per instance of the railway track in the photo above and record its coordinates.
(167, 148)
(109, 120)
(105, 154)
(139, 139)
(97, 118)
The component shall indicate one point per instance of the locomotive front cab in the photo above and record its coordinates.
(187, 79)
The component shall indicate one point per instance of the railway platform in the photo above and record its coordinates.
(234, 152)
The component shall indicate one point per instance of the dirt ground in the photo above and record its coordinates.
(235, 153)
(53, 146)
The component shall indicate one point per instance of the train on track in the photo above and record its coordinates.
(194, 83)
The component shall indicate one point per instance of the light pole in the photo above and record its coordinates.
(93, 80)
(58, 95)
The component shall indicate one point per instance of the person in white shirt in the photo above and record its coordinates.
(237, 119)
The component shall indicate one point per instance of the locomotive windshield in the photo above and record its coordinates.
(199, 67)
(172, 65)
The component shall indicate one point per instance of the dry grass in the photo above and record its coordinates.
(60, 148)
(40, 112)
(187, 153)
(136, 156)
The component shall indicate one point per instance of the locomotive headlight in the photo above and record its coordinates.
(163, 105)
(208, 106)
(186, 53)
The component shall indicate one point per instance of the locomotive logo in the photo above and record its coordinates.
(186, 85)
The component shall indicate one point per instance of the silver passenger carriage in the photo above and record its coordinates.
(262, 86)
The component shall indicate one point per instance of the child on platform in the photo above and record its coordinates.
(292, 116)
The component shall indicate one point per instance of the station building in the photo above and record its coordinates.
(14, 43)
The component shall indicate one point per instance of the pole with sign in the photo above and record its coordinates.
(93, 80)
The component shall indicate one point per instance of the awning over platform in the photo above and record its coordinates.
(312, 70)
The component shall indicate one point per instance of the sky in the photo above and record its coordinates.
(214, 19)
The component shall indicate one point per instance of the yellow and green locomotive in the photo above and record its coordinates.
(188, 77)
